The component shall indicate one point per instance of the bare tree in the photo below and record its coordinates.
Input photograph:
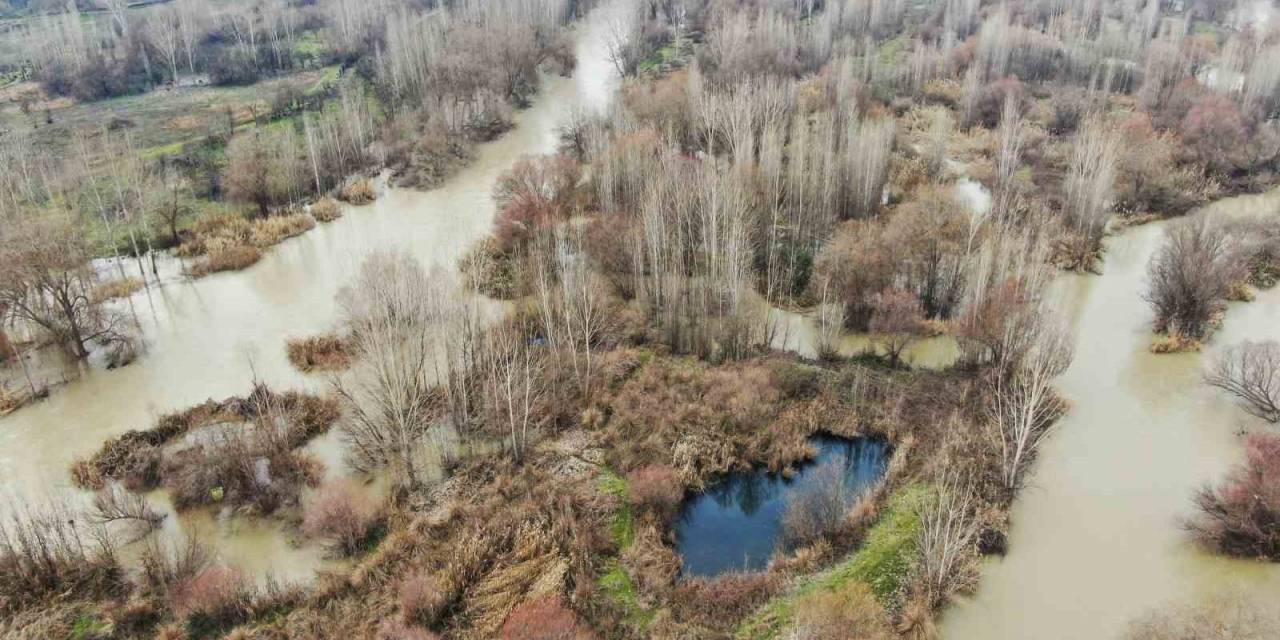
(512, 383)
(1188, 279)
(1090, 182)
(1251, 372)
(896, 321)
(946, 550)
(45, 280)
(392, 395)
(1024, 406)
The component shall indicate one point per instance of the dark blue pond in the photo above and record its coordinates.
(735, 525)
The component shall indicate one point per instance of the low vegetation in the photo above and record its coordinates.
(324, 352)
(1239, 515)
(239, 451)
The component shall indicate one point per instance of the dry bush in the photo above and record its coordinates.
(817, 509)
(1188, 279)
(848, 611)
(724, 600)
(396, 630)
(231, 258)
(544, 618)
(358, 192)
(216, 598)
(897, 320)
(326, 209)
(117, 288)
(1251, 372)
(703, 420)
(115, 504)
(1224, 616)
(324, 352)
(535, 192)
(43, 552)
(271, 231)
(252, 463)
(657, 487)
(1241, 515)
(421, 600)
(343, 516)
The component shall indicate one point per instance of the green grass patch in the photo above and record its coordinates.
(87, 626)
(622, 526)
(615, 583)
(881, 563)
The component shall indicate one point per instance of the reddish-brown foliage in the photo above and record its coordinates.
(343, 516)
(1215, 133)
(544, 619)
(536, 191)
(657, 487)
(1241, 516)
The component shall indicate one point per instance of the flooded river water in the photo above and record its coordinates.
(1095, 538)
(208, 338)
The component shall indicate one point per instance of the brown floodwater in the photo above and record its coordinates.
(1095, 539)
(209, 338)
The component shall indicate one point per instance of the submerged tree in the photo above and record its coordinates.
(1251, 372)
(45, 280)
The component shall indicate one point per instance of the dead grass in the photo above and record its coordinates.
(1174, 343)
(326, 209)
(229, 242)
(358, 192)
(112, 289)
(324, 352)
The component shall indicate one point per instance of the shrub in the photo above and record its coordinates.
(724, 599)
(1251, 372)
(422, 601)
(117, 288)
(532, 194)
(326, 209)
(325, 352)
(1224, 616)
(214, 599)
(817, 509)
(657, 487)
(1189, 278)
(231, 258)
(343, 516)
(1215, 133)
(544, 618)
(358, 192)
(850, 611)
(1241, 516)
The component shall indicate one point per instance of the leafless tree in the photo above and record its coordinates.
(1090, 181)
(392, 395)
(1189, 277)
(1251, 372)
(512, 383)
(946, 548)
(1024, 405)
(572, 302)
(45, 280)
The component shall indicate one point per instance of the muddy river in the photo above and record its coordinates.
(1095, 538)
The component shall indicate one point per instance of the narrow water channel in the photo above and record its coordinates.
(208, 338)
(1095, 539)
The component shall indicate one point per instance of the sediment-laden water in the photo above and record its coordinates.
(1095, 538)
